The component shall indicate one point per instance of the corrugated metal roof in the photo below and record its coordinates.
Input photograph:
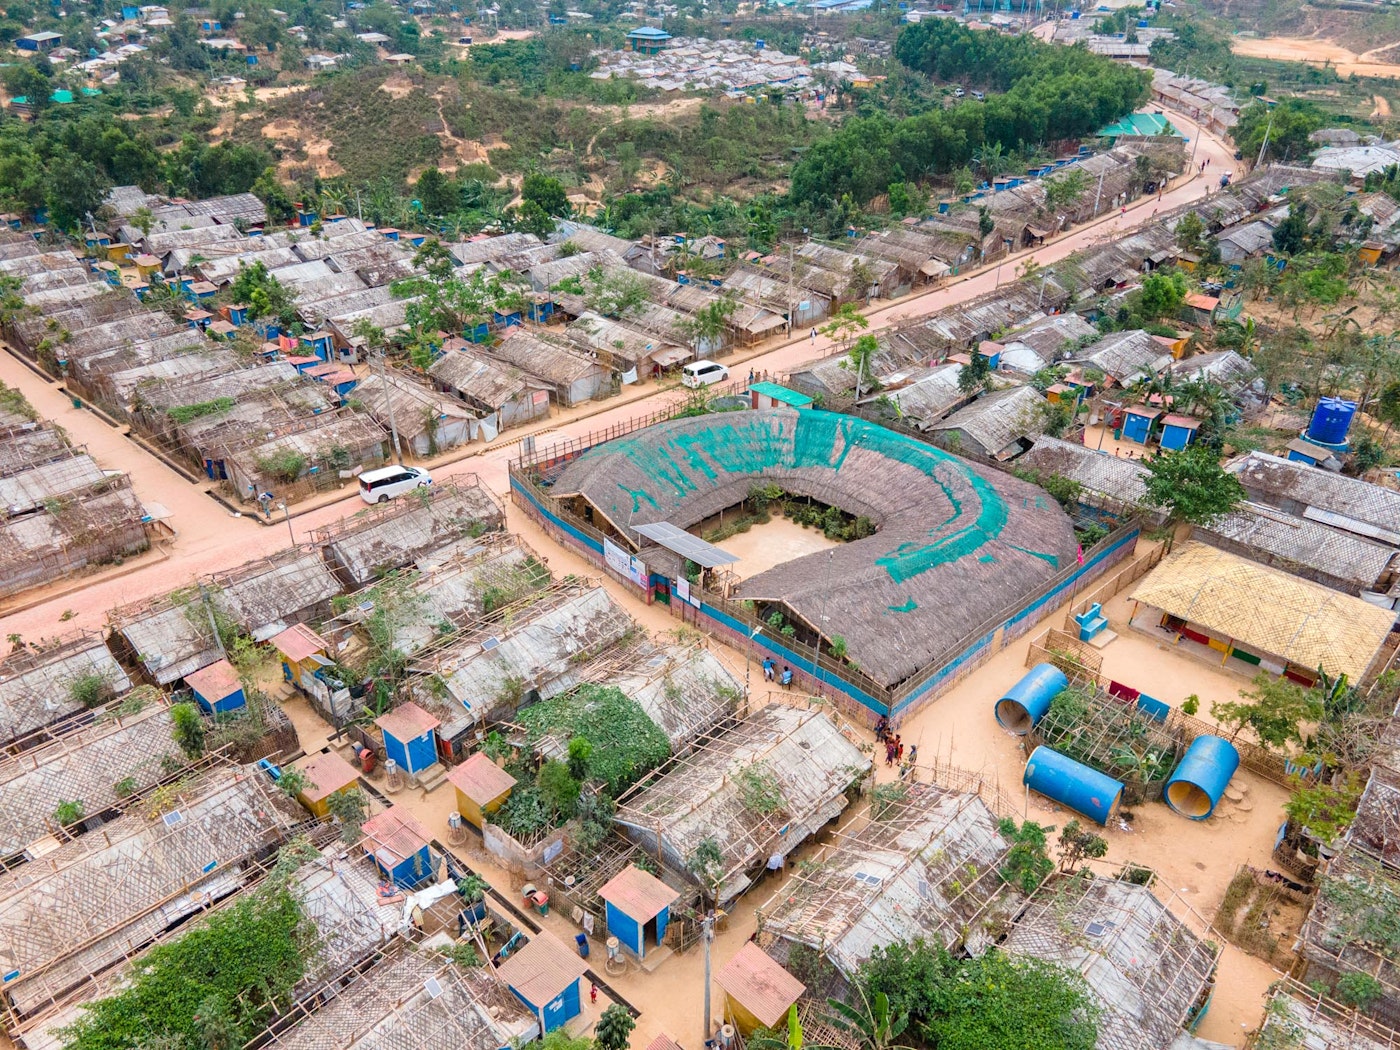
(542, 969)
(326, 773)
(215, 681)
(480, 779)
(759, 984)
(408, 721)
(638, 894)
(394, 835)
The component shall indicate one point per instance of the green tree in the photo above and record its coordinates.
(76, 189)
(558, 788)
(1077, 844)
(976, 374)
(1161, 295)
(1291, 236)
(351, 808)
(1189, 231)
(263, 294)
(1014, 1004)
(708, 325)
(1273, 711)
(546, 193)
(845, 322)
(614, 1028)
(580, 751)
(187, 729)
(1191, 485)
(860, 359)
(1286, 125)
(1028, 862)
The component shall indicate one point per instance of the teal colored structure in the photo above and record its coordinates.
(1025, 703)
(1195, 787)
(1091, 622)
(1072, 784)
(1138, 124)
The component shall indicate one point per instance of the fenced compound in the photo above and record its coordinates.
(1262, 916)
(1112, 584)
(1083, 664)
(1117, 739)
(860, 695)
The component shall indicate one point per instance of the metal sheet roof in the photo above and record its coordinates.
(686, 545)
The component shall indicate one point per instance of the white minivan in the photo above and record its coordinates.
(382, 485)
(703, 373)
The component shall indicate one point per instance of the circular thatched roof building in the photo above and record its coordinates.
(955, 546)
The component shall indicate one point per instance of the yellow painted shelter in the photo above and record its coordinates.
(327, 774)
(757, 991)
(482, 788)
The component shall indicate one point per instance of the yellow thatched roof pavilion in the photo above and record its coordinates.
(1262, 609)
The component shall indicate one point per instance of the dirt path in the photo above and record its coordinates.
(1317, 53)
(1382, 109)
(1370, 56)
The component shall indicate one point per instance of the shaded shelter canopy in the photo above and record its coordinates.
(944, 528)
(1303, 622)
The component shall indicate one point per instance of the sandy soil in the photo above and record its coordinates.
(1316, 52)
(398, 86)
(1382, 109)
(765, 546)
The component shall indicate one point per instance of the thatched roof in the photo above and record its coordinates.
(60, 920)
(1376, 827)
(927, 866)
(685, 691)
(86, 764)
(541, 648)
(410, 1001)
(1225, 367)
(1302, 622)
(943, 526)
(1144, 965)
(1124, 356)
(366, 546)
(1298, 1016)
(1111, 477)
(480, 379)
(700, 796)
(36, 689)
(1351, 927)
(1334, 499)
(998, 421)
(1305, 548)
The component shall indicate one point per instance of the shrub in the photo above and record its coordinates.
(68, 813)
(188, 730)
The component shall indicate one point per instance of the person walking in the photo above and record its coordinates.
(889, 752)
(814, 337)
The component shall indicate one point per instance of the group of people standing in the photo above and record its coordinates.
(894, 748)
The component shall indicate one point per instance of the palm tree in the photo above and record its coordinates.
(869, 1024)
(991, 158)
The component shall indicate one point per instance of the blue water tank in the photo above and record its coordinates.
(1025, 703)
(1073, 784)
(1199, 780)
(1331, 420)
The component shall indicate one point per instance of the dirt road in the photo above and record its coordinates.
(209, 539)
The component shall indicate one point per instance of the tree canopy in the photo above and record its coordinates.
(1191, 485)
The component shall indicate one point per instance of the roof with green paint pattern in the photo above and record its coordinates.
(954, 546)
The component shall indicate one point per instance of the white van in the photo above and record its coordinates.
(703, 373)
(382, 485)
(958, 92)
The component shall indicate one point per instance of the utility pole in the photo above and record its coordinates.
(1099, 192)
(219, 644)
(389, 401)
(707, 934)
(1268, 128)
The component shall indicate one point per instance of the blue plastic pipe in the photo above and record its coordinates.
(1073, 784)
(1025, 703)
(1199, 780)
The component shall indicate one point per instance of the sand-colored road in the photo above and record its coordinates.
(211, 540)
(1316, 53)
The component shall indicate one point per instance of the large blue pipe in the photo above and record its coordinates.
(1073, 784)
(1023, 705)
(1199, 780)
